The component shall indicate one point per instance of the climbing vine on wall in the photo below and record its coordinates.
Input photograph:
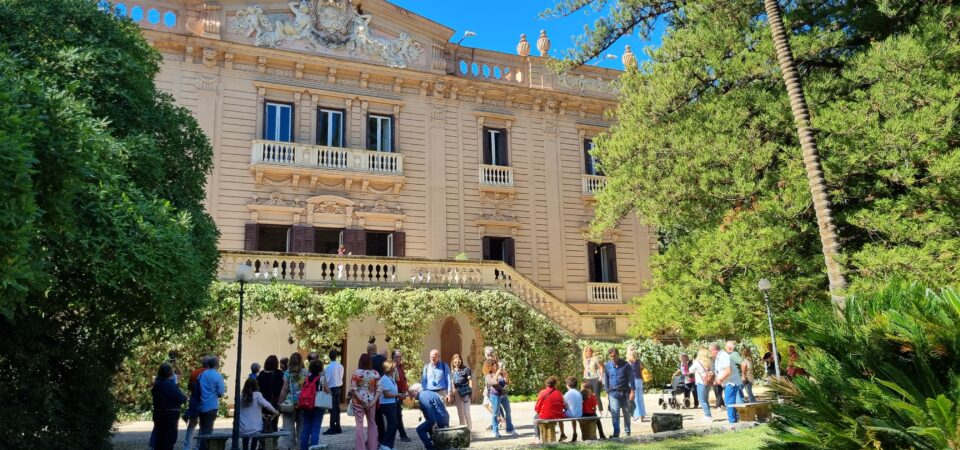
(531, 345)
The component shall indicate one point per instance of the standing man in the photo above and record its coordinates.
(717, 387)
(334, 375)
(436, 376)
(192, 416)
(402, 386)
(434, 412)
(211, 389)
(728, 377)
(618, 377)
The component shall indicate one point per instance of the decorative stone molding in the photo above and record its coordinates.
(379, 216)
(330, 210)
(276, 204)
(209, 57)
(609, 236)
(497, 219)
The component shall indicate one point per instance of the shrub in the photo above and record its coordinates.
(882, 374)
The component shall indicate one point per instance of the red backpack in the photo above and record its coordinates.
(308, 393)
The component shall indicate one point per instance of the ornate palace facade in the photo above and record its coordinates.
(359, 124)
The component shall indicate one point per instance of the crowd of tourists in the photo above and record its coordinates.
(303, 392)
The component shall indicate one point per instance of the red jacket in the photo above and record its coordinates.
(549, 404)
(401, 379)
(590, 405)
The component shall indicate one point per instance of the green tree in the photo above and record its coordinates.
(705, 148)
(101, 223)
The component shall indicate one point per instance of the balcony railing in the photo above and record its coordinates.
(322, 157)
(364, 271)
(593, 183)
(604, 293)
(501, 176)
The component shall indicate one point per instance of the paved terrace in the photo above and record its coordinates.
(136, 435)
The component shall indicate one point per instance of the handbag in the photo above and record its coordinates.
(323, 400)
(286, 407)
(464, 391)
(350, 409)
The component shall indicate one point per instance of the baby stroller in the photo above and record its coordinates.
(668, 398)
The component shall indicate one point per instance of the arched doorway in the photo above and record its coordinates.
(450, 339)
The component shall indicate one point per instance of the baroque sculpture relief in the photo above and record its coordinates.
(331, 24)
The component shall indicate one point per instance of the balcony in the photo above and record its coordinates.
(497, 180)
(331, 271)
(604, 293)
(593, 183)
(288, 162)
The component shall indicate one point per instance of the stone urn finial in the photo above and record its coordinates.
(543, 43)
(523, 47)
(629, 59)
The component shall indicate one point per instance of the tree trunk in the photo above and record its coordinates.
(811, 157)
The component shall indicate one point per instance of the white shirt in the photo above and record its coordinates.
(574, 401)
(723, 362)
(334, 374)
(699, 372)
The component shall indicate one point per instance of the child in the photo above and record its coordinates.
(590, 405)
(573, 406)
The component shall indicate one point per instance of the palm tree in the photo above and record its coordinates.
(811, 157)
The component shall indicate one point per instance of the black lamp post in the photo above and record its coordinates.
(244, 275)
(764, 286)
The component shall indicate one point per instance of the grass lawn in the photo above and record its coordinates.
(737, 440)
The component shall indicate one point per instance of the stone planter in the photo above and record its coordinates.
(666, 422)
(452, 437)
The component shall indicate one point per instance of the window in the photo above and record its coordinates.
(328, 240)
(495, 147)
(330, 128)
(590, 161)
(379, 244)
(602, 262)
(273, 238)
(498, 249)
(278, 122)
(380, 133)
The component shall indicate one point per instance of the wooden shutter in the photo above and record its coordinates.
(591, 267)
(399, 244)
(304, 239)
(360, 242)
(509, 249)
(250, 231)
(486, 147)
(349, 240)
(502, 149)
(486, 248)
(393, 134)
(612, 258)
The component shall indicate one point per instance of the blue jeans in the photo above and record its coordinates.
(497, 402)
(423, 430)
(310, 427)
(640, 409)
(617, 405)
(746, 392)
(730, 393)
(703, 391)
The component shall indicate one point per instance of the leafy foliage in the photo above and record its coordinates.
(532, 345)
(705, 148)
(101, 223)
(882, 374)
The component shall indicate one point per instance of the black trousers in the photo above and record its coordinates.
(403, 432)
(718, 391)
(335, 411)
(206, 426)
(381, 425)
(692, 389)
(165, 425)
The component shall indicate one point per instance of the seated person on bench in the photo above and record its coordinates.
(550, 405)
(573, 408)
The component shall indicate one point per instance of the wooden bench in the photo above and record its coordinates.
(754, 412)
(218, 441)
(548, 428)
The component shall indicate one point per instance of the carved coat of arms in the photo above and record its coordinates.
(332, 24)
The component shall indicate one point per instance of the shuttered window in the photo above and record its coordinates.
(278, 122)
(330, 127)
(499, 249)
(602, 262)
(495, 147)
(590, 161)
(380, 133)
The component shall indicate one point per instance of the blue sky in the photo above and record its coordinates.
(499, 23)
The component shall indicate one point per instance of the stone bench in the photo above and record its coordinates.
(754, 412)
(218, 441)
(548, 428)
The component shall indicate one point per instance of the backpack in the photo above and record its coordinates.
(308, 393)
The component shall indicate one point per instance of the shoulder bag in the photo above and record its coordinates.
(323, 399)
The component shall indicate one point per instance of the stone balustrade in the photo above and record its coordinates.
(323, 157)
(496, 175)
(332, 271)
(604, 293)
(593, 183)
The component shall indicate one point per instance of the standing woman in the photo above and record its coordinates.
(701, 366)
(461, 378)
(636, 368)
(312, 418)
(593, 373)
(293, 379)
(496, 379)
(364, 395)
(167, 399)
(746, 369)
(270, 381)
(389, 402)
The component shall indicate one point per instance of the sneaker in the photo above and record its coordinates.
(636, 418)
(495, 435)
(707, 419)
(512, 433)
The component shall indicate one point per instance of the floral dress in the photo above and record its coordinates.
(293, 385)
